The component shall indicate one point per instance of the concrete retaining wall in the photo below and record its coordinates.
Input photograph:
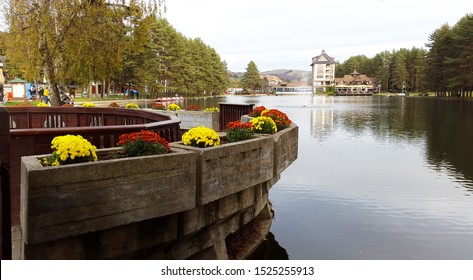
(186, 210)
(191, 119)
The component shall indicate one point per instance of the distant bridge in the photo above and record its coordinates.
(293, 90)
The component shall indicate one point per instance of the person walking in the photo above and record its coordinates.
(46, 96)
(32, 91)
(41, 93)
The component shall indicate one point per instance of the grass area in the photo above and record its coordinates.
(21, 103)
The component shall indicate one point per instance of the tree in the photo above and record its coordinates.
(70, 40)
(360, 63)
(462, 57)
(399, 70)
(251, 79)
(382, 69)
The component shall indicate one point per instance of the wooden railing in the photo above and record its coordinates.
(5, 185)
(232, 112)
(33, 128)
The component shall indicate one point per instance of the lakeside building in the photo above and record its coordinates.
(323, 72)
(273, 81)
(355, 84)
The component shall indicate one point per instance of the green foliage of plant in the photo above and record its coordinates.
(251, 79)
(237, 131)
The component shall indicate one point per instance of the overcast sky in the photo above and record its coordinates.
(278, 34)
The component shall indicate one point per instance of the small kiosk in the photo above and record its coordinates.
(18, 87)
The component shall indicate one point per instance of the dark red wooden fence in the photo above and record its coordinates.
(5, 185)
(232, 112)
(33, 128)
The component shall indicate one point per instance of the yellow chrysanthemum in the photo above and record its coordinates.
(71, 149)
(264, 125)
(201, 137)
(173, 107)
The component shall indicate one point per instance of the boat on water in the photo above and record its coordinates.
(169, 99)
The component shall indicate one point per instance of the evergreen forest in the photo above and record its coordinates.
(119, 44)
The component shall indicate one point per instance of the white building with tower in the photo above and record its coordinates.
(323, 72)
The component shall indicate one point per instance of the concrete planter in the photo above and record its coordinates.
(74, 199)
(231, 167)
(285, 148)
(191, 119)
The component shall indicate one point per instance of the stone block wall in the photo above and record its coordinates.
(136, 216)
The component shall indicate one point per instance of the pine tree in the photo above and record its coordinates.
(251, 80)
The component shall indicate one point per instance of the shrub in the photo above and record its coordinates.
(114, 105)
(237, 131)
(264, 125)
(69, 149)
(201, 136)
(158, 106)
(212, 109)
(173, 107)
(281, 119)
(132, 106)
(193, 108)
(88, 104)
(143, 143)
(257, 111)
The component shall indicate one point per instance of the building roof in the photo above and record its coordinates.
(17, 80)
(271, 78)
(353, 79)
(323, 58)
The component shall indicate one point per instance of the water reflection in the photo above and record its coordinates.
(376, 178)
(321, 123)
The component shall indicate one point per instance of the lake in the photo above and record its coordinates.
(376, 178)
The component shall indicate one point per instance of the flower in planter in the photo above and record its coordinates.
(69, 149)
(237, 131)
(257, 111)
(41, 104)
(212, 109)
(193, 108)
(88, 104)
(201, 136)
(158, 106)
(114, 105)
(173, 107)
(143, 143)
(264, 125)
(281, 119)
(132, 106)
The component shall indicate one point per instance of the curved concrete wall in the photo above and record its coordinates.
(184, 208)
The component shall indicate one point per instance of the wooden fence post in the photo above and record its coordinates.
(5, 184)
(233, 112)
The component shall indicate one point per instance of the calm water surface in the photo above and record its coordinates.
(376, 177)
